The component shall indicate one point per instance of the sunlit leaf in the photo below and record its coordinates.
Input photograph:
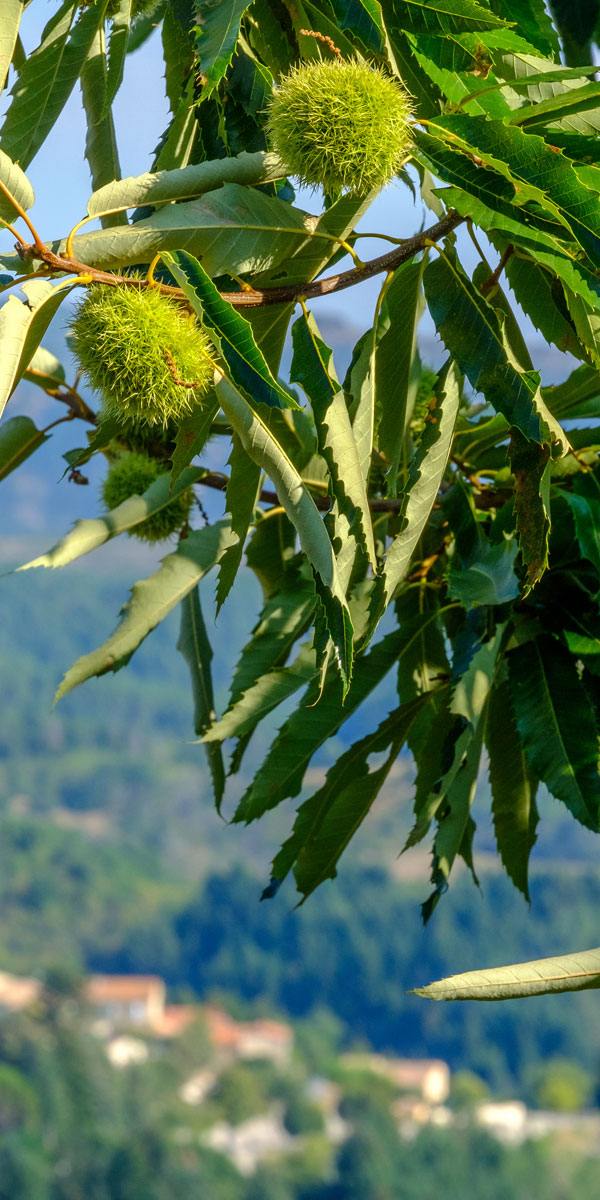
(150, 602)
(569, 973)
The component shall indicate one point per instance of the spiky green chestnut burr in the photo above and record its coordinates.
(156, 440)
(345, 125)
(138, 349)
(131, 475)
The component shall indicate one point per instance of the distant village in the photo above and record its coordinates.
(131, 1015)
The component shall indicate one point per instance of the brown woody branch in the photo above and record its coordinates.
(485, 499)
(323, 503)
(494, 278)
(256, 297)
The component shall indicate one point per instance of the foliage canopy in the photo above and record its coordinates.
(464, 506)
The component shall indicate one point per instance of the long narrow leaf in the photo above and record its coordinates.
(283, 770)
(513, 789)
(101, 143)
(556, 726)
(196, 649)
(473, 335)
(217, 34)
(263, 448)
(425, 477)
(10, 19)
(569, 973)
(150, 602)
(312, 367)
(48, 77)
(233, 333)
(184, 183)
(90, 533)
(326, 822)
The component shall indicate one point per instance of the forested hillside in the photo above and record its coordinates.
(89, 874)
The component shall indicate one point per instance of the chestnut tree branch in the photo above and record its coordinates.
(261, 297)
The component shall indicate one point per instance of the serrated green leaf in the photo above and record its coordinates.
(262, 696)
(328, 821)
(472, 334)
(423, 657)
(178, 53)
(529, 164)
(363, 19)
(232, 229)
(575, 100)
(10, 19)
(195, 647)
(101, 142)
(144, 25)
(584, 503)
(556, 725)
(473, 440)
(256, 684)
(241, 498)
(481, 571)
(481, 185)
(547, 252)
(577, 397)
(117, 52)
(282, 772)
(406, 67)
(450, 16)
(192, 435)
(47, 79)
(531, 465)
(312, 367)
(569, 973)
(521, 71)
(531, 18)
(452, 62)
(426, 474)
(88, 534)
(444, 750)
(150, 602)
(162, 187)
(283, 619)
(19, 438)
(452, 795)
(397, 365)
(587, 324)
(217, 35)
(264, 449)
(455, 829)
(233, 334)
(543, 301)
(360, 384)
(513, 789)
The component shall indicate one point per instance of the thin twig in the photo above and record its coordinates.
(67, 395)
(489, 284)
